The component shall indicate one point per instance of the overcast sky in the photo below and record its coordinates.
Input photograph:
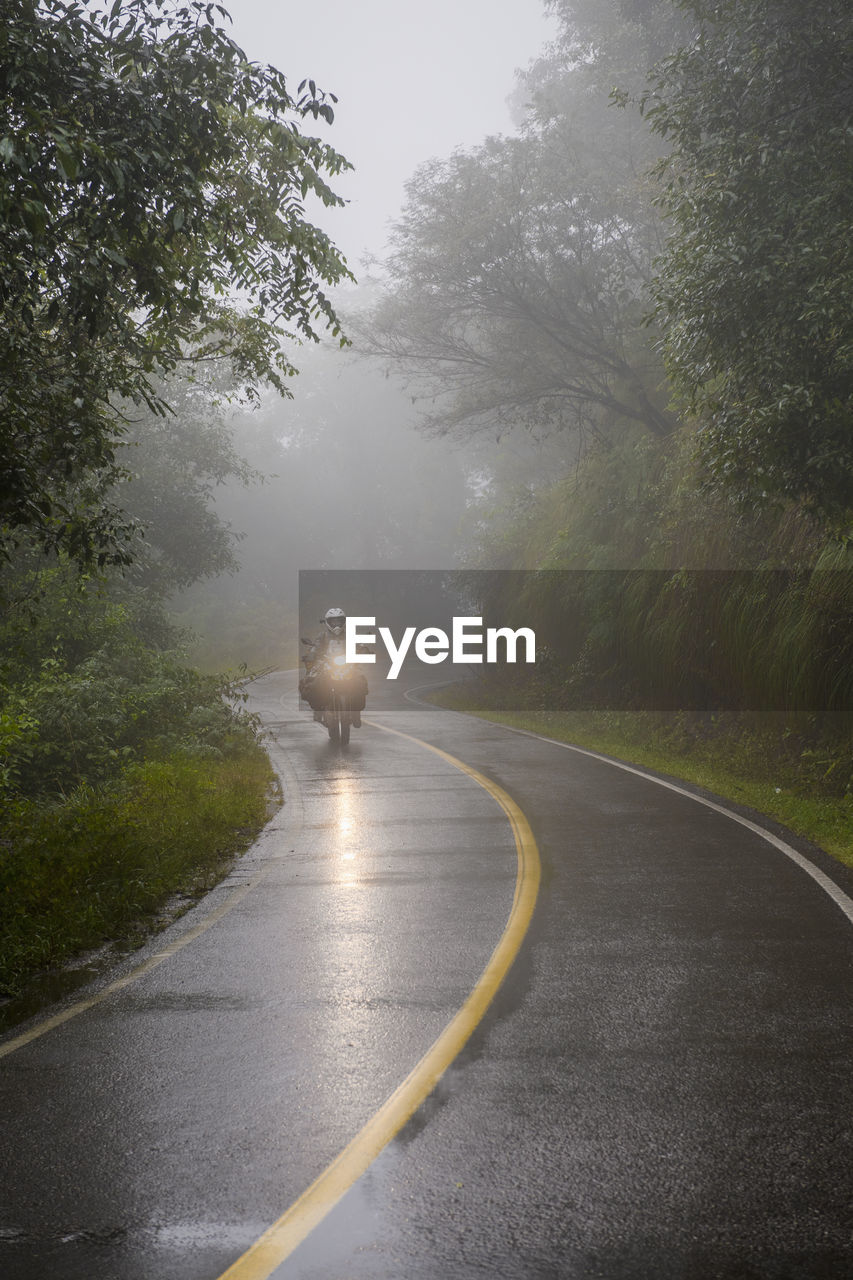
(414, 80)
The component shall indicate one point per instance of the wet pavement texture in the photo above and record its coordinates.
(661, 1088)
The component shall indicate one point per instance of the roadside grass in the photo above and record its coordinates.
(99, 863)
(763, 762)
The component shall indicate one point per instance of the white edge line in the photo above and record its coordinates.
(837, 894)
(839, 897)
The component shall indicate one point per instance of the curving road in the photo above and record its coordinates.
(661, 1087)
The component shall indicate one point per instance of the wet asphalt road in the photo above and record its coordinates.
(661, 1089)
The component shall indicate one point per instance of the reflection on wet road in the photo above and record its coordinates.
(178, 1118)
(660, 1090)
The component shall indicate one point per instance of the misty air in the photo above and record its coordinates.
(426, 640)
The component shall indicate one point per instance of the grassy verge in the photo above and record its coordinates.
(761, 762)
(98, 864)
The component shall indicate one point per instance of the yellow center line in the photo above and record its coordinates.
(280, 1240)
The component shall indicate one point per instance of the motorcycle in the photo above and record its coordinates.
(341, 685)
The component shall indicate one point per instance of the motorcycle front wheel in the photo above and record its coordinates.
(338, 719)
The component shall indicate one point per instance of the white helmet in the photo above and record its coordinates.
(335, 621)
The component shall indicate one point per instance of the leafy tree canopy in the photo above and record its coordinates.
(756, 282)
(150, 173)
(174, 464)
(520, 270)
(615, 41)
(518, 286)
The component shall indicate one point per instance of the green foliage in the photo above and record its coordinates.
(604, 515)
(18, 743)
(754, 288)
(614, 41)
(85, 693)
(519, 272)
(148, 169)
(92, 866)
(124, 775)
(150, 174)
(768, 624)
(108, 711)
(174, 465)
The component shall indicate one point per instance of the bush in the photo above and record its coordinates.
(124, 774)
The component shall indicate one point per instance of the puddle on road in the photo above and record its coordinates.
(362, 1234)
(347, 1241)
(197, 1235)
(190, 1002)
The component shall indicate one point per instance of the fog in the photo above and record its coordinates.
(596, 390)
(412, 81)
(348, 477)
(535, 378)
(345, 480)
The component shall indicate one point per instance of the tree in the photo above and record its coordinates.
(613, 43)
(175, 463)
(518, 291)
(755, 285)
(520, 270)
(150, 172)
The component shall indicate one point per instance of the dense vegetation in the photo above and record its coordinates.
(148, 169)
(756, 279)
(666, 238)
(126, 777)
(631, 319)
(150, 176)
(650, 284)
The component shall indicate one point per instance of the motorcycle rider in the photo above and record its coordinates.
(314, 688)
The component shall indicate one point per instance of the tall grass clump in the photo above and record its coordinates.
(97, 864)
